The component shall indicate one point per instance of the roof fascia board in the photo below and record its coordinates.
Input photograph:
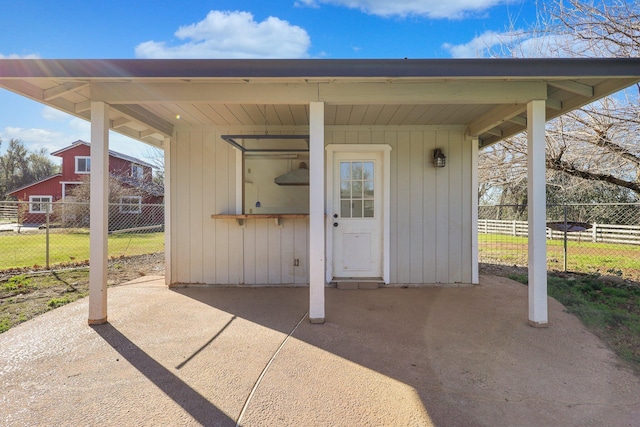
(314, 68)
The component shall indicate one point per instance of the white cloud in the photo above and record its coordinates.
(34, 138)
(232, 35)
(448, 9)
(519, 44)
(16, 56)
(482, 45)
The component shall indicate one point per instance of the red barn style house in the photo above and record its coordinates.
(132, 173)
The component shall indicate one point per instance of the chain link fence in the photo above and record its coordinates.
(40, 234)
(587, 238)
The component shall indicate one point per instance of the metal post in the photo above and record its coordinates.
(565, 238)
(47, 237)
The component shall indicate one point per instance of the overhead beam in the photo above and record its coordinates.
(211, 93)
(495, 117)
(554, 104)
(147, 133)
(23, 88)
(518, 120)
(605, 88)
(134, 134)
(451, 92)
(142, 115)
(81, 107)
(573, 87)
(118, 123)
(63, 89)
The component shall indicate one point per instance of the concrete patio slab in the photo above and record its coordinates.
(219, 356)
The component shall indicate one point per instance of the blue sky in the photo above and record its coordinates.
(232, 29)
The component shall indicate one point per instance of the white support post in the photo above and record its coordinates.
(166, 145)
(475, 275)
(538, 312)
(99, 213)
(316, 213)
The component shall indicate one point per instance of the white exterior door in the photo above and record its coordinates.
(357, 214)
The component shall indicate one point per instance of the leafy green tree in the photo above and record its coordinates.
(20, 167)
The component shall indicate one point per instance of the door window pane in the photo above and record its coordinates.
(345, 170)
(345, 189)
(357, 189)
(368, 208)
(356, 211)
(357, 170)
(368, 189)
(368, 170)
(345, 208)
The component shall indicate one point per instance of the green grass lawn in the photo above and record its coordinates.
(611, 311)
(28, 250)
(586, 257)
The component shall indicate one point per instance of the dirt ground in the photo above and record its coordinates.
(25, 294)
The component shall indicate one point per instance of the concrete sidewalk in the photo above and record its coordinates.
(216, 356)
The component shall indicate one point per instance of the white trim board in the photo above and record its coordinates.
(331, 149)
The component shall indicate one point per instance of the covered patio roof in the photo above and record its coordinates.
(148, 98)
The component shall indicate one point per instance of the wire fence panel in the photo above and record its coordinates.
(41, 234)
(588, 238)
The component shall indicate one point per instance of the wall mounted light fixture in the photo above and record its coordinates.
(439, 159)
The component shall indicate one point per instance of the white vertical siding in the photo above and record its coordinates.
(430, 235)
(429, 217)
(443, 207)
(208, 205)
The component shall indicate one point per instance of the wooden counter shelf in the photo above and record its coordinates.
(241, 217)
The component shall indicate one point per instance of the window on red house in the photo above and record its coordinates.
(83, 164)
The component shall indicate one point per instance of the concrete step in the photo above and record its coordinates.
(359, 283)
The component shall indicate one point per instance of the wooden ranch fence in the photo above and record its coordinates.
(8, 212)
(599, 233)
